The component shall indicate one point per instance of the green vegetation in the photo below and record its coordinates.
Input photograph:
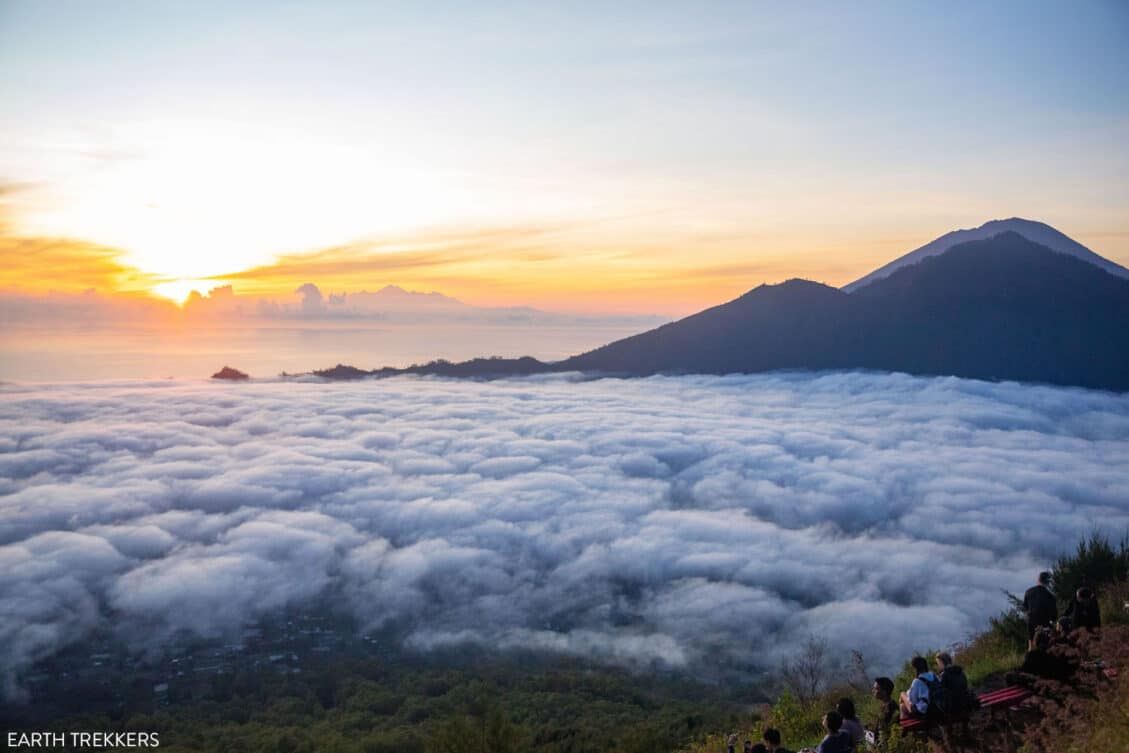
(1102, 566)
(433, 706)
(997, 650)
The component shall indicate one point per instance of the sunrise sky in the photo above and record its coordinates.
(590, 157)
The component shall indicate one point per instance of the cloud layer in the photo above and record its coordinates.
(681, 521)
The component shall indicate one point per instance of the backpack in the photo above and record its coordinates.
(936, 708)
(955, 696)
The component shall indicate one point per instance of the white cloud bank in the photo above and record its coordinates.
(670, 520)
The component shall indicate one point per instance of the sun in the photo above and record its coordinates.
(178, 291)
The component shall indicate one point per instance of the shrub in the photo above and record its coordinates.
(998, 649)
(1096, 563)
(799, 723)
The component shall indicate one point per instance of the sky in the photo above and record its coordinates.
(642, 158)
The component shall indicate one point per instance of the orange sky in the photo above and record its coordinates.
(601, 268)
(578, 157)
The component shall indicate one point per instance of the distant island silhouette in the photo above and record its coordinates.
(1002, 307)
(230, 374)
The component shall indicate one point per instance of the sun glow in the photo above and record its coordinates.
(204, 198)
(178, 291)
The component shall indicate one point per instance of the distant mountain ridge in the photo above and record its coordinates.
(395, 303)
(999, 307)
(396, 297)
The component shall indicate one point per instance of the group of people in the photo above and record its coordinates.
(1045, 629)
(944, 692)
(844, 732)
(938, 693)
(1041, 607)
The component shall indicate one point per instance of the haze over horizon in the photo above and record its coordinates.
(642, 159)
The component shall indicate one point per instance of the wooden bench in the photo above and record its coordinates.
(1005, 698)
(1008, 697)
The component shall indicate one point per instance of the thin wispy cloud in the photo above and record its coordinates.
(40, 265)
(559, 265)
(417, 254)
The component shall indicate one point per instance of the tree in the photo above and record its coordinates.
(806, 673)
(1095, 563)
(484, 729)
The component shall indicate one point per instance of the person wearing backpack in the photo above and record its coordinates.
(924, 692)
(956, 696)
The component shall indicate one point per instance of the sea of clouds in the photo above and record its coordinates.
(690, 521)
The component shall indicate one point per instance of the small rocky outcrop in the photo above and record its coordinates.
(234, 375)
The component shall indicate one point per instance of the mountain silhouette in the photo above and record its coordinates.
(998, 307)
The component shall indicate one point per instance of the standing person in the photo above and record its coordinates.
(772, 741)
(1040, 605)
(1083, 610)
(852, 727)
(731, 743)
(915, 701)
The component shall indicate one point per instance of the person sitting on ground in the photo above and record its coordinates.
(1041, 663)
(956, 697)
(1083, 610)
(852, 727)
(883, 692)
(1062, 630)
(1040, 605)
(915, 701)
(772, 741)
(835, 741)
